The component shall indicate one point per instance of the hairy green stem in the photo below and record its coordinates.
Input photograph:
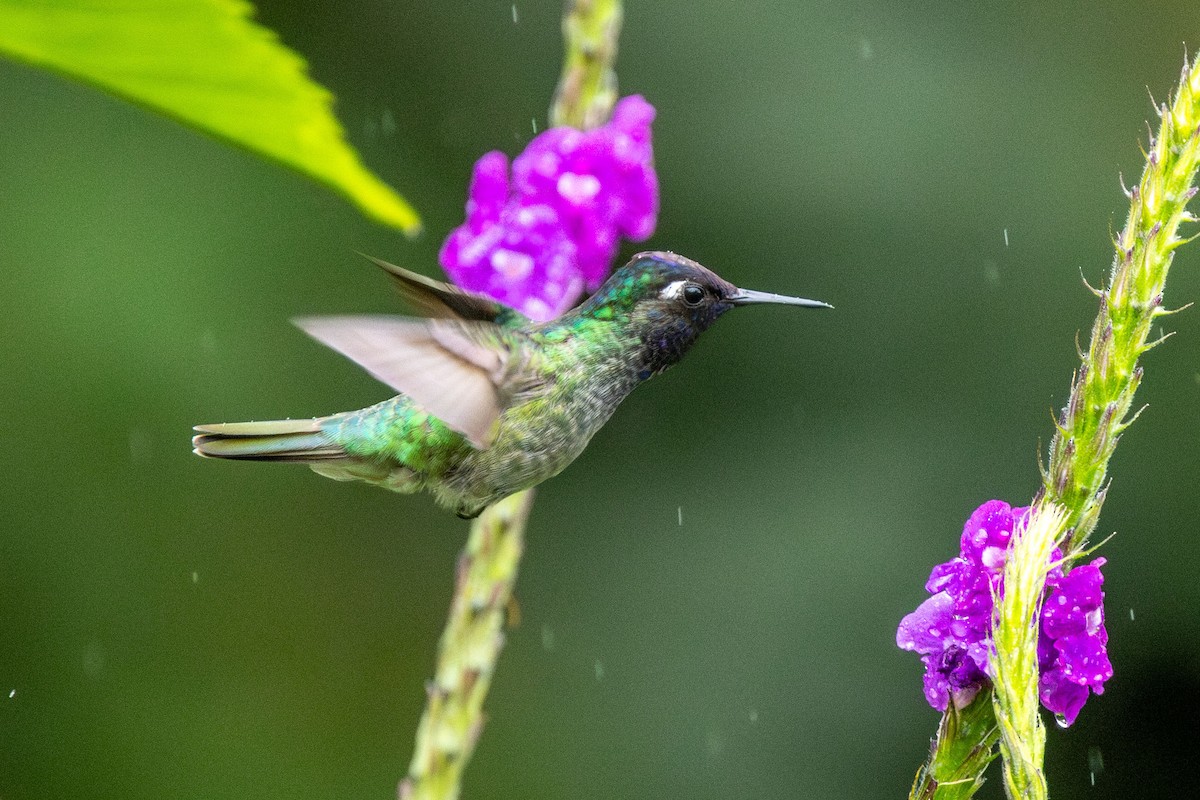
(1013, 662)
(487, 569)
(587, 89)
(965, 744)
(469, 648)
(1099, 409)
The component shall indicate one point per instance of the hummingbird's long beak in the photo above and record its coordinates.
(745, 297)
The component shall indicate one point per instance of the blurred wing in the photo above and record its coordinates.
(436, 299)
(457, 371)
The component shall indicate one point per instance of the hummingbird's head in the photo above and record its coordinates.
(668, 301)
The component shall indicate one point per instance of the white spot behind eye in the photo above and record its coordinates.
(672, 290)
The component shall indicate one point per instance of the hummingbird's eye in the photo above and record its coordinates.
(693, 295)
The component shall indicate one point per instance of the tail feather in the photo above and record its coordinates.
(299, 440)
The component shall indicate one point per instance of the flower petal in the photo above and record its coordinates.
(927, 629)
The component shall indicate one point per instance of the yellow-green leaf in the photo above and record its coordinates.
(207, 64)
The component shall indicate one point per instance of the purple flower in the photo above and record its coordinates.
(1072, 651)
(537, 242)
(952, 629)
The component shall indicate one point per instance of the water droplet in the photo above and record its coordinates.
(1131, 615)
(94, 659)
(208, 343)
(679, 512)
(1095, 761)
(753, 716)
(547, 638)
(1006, 237)
(12, 694)
(599, 670)
(514, 6)
(1061, 721)
(195, 577)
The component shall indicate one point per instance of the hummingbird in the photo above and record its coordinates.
(491, 402)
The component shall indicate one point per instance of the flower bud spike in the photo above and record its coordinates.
(1057, 601)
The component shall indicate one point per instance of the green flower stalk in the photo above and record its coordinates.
(587, 89)
(1014, 661)
(469, 648)
(965, 744)
(1066, 612)
(487, 570)
(1099, 408)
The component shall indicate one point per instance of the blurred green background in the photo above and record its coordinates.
(942, 172)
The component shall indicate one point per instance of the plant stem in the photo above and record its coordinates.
(1097, 412)
(1099, 407)
(964, 746)
(487, 569)
(587, 89)
(467, 653)
(1013, 662)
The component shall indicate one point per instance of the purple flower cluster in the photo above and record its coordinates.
(1073, 647)
(952, 630)
(537, 241)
